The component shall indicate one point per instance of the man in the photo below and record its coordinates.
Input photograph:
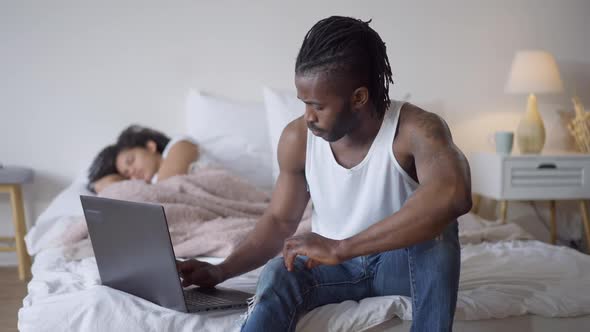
(387, 185)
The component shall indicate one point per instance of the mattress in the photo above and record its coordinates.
(528, 323)
(531, 280)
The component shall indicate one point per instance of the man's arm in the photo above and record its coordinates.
(444, 194)
(287, 205)
(280, 220)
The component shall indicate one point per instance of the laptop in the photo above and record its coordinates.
(134, 254)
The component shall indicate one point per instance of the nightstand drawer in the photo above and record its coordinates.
(545, 178)
(531, 177)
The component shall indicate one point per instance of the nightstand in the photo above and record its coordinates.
(11, 179)
(532, 178)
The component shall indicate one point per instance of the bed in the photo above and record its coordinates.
(512, 282)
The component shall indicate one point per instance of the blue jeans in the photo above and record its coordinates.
(427, 272)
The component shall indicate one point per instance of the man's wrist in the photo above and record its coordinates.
(343, 251)
(225, 271)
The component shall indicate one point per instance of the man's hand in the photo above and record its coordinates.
(318, 249)
(194, 272)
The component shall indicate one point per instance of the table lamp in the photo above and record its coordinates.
(532, 72)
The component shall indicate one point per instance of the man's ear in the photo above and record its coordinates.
(151, 146)
(360, 97)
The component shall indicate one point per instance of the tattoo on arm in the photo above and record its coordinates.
(434, 147)
(433, 126)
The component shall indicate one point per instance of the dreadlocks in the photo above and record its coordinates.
(349, 45)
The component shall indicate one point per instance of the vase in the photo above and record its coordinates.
(530, 134)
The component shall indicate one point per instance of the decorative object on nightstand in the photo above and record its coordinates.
(580, 126)
(11, 179)
(533, 178)
(532, 72)
(503, 140)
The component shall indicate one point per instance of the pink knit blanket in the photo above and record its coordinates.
(209, 212)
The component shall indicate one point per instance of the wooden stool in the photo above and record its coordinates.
(11, 179)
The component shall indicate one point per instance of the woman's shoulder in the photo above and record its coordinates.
(176, 139)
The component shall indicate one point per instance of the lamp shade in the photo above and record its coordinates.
(534, 72)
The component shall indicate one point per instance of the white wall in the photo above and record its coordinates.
(73, 74)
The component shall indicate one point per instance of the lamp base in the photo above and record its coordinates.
(530, 134)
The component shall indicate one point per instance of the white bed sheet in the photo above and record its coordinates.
(497, 280)
(55, 219)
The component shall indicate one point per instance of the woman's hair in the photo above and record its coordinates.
(133, 136)
(138, 136)
(103, 165)
(348, 45)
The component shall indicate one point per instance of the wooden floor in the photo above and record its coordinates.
(12, 292)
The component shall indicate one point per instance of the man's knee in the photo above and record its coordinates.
(277, 278)
(273, 271)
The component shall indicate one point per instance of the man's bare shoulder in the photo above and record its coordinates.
(292, 146)
(419, 124)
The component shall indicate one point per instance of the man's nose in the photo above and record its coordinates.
(310, 115)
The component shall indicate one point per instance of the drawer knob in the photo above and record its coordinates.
(547, 166)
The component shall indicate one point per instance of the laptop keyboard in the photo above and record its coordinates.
(197, 299)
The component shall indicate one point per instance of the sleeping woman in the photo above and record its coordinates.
(142, 154)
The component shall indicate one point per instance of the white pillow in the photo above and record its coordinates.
(281, 109)
(232, 134)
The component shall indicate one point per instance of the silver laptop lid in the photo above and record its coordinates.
(133, 250)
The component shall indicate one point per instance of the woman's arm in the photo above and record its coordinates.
(180, 156)
(107, 180)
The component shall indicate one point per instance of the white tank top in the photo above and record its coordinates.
(348, 201)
